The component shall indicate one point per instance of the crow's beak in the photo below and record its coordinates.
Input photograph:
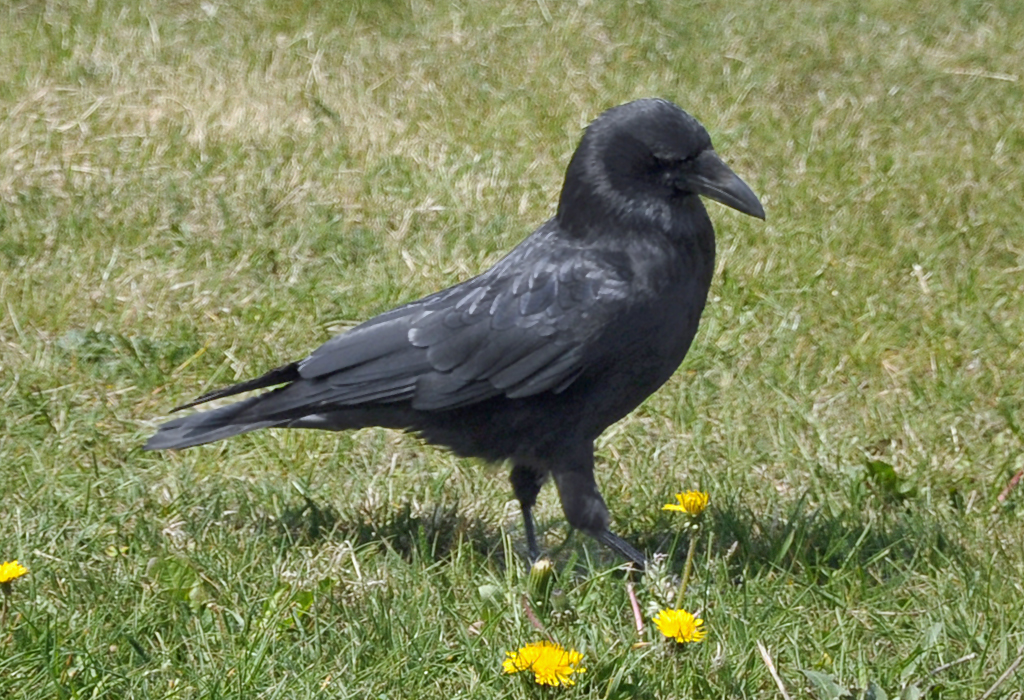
(713, 178)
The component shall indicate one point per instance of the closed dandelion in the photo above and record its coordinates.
(550, 663)
(680, 626)
(541, 581)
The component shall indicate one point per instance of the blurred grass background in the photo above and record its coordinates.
(195, 192)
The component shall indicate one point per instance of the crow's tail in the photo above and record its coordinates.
(281, 375)
(242, 417)
(210, 426)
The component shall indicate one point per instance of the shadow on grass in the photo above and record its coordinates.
(429, 536)
(816, 541)
(805, 540)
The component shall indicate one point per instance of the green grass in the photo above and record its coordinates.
(192, 193)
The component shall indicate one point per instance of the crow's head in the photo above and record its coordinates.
(639, 160)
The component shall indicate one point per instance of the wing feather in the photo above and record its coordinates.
(515, 335)
(369, 341)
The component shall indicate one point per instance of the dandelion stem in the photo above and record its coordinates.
(687, 567)
(534, 620)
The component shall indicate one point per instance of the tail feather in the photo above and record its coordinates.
(280, 375)
(210, 426)
(299, 404)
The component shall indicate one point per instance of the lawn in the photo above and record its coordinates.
(195, 192)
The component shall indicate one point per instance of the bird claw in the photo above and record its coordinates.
(616, 543)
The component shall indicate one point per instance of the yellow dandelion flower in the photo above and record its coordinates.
(692, 502)
(680, 625)
(11, 570)
(551, 663)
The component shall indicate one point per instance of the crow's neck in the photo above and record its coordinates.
(589, 211)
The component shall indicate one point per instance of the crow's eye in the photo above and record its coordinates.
(675, 161)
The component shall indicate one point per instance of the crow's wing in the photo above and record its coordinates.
(512, 331)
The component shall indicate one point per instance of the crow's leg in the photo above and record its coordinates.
(585, 509)
(526, 483)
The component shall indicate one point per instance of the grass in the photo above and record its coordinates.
(194, 193)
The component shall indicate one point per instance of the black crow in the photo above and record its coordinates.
(531, 360)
